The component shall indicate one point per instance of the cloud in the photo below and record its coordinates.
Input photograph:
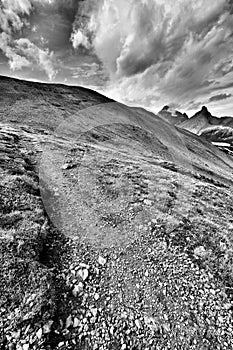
(15, 13)
(193, 105)
(156, 50)
(78, 39)
(219, 97)
(84, 24)
(43, 58)
(12, 14)
(16, 61)
(90, 74)
(22, 52)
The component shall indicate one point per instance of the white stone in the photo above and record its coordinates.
(47, 327)
(69, 321)
(96, 296)
(200, 252)
(77, 289)
(94, 311)
(102, 261)
(138, 324)
(76, 322)
(147, 202)
(26, 346)
(83, 265)
(39, 333)
(65, 166)
(83, 274)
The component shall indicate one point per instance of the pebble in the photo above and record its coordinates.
(83, 274)
(69, 321)
(166, 327)
(77, 289)
(26, 347)
(27, 329)
(16, 334)
(65, 166)
(221, 320)
(94, 311)
(39, 333)
(147, 202)
(227, 306)
(47, 327)
(200, 252)
(138, 324)
(102, 261)
(83, 265)
(96, 296)
(76, 322)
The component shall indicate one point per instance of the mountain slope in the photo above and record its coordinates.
(203, 119)
(218, 131)
(172, 116)
(124, 218)
(219, 134)
(42, 105)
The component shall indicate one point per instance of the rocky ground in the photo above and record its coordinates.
(144, 273)
(113, 235)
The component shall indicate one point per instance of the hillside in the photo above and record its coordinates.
(172, 116)
(220, 136)
(116, 226)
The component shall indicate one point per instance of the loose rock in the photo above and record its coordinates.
(102, 261)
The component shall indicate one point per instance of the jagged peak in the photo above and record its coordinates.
(205, 109)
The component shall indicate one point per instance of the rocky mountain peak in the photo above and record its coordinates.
(205, 110)
(165, 108)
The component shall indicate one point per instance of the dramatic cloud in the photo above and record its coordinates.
(85, 24)
(219, 97)
(15, 60)
(22, 53)
(14, 15)
(43, 58)
(145, 52)
(159, 50)
(79, 39)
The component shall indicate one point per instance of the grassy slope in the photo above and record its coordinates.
(42, 105)
(155, 202)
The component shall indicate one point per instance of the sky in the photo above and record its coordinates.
(141, 52)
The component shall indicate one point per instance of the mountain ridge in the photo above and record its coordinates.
(217, 130)
(116, 229)
(203, 118)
